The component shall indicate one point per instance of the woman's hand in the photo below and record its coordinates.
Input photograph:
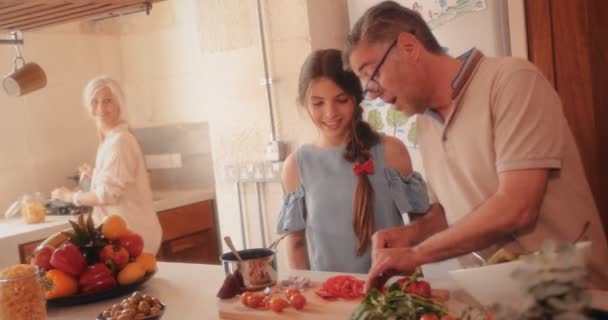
(64, 194)
(85, 170)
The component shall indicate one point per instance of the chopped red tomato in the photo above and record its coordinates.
(345, 287)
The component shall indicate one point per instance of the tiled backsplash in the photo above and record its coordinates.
(191, 141)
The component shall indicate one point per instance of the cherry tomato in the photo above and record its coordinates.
(429, 317)
(402, 281)
(425, 288)
(297, 301)
(278, 304)
(266, 302)
(421, 288)
(448, 317)
(291, 291)
(254, 301)
(244, 297)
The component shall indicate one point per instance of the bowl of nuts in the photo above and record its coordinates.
(137, 307)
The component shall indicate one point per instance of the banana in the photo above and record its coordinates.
(55, 240)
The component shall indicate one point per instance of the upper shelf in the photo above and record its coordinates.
(33, 14)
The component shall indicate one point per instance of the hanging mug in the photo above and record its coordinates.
(24, 79)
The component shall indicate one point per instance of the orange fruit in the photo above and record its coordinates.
(114, 227)
(147, 261)
(131, 273)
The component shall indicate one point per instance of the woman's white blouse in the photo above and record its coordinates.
(121, 183)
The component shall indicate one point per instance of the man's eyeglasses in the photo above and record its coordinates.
(372, 87)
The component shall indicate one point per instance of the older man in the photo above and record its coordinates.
(501, 163)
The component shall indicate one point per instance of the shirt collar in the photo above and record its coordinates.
(471, 59)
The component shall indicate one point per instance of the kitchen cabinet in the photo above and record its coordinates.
(190, 234)
(27, 249)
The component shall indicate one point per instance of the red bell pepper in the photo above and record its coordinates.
(97, 277)
(68, 259)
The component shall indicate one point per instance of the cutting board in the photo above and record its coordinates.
(316, 308)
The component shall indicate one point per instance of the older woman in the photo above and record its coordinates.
(119, 181)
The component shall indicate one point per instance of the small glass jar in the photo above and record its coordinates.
(33, 209)
(22, 293)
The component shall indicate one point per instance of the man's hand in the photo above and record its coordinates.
(395, 237)
(390, 262)
(391, 251)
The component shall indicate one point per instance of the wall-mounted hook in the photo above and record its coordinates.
(148, 7)
(16, 38)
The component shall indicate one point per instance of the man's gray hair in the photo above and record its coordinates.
(383, 23)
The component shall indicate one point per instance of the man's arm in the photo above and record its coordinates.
(413, 233)
(432, 222)
(514, 206)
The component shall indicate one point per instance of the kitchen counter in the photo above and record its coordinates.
(188, 291)
(169, 199)
(14, 231)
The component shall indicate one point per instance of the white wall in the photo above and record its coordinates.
(38, 148)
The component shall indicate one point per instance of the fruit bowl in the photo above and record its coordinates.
(89, 263)
(98, 296)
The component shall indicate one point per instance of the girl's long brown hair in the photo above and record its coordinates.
(328, 63)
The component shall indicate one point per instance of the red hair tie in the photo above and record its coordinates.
(366, 167)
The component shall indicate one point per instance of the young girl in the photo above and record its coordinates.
(347, 184)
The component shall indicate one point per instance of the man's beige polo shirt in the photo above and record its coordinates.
(508, 117)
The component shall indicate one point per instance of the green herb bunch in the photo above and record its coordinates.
(396, 304)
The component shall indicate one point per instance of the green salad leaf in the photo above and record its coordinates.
(396, 304)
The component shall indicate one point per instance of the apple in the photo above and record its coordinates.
(133, 242)
(42, 257)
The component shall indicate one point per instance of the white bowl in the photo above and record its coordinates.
(493, 283)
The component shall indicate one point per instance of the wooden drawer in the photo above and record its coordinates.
(200, 247)
(187, 220)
